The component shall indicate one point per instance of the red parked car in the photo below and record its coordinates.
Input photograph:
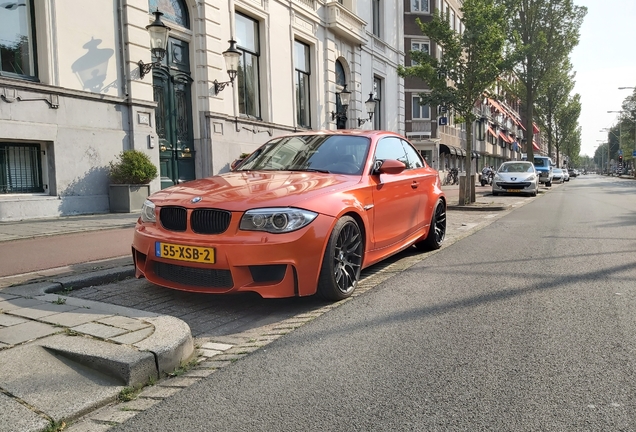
(303, 216)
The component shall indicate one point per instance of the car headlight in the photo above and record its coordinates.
(497, 177)
(148, 212)
(531, 178)
(276, 220)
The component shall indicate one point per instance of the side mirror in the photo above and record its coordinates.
(389, 166)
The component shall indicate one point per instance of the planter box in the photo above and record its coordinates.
(126, 198)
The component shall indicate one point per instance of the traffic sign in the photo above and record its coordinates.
(620, 152)
(634, 153)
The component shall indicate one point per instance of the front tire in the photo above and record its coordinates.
(548, 184)
(436, 231)
(342, 261)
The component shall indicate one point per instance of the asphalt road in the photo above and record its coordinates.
(526, 325)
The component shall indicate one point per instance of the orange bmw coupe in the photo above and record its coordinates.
(302, 215)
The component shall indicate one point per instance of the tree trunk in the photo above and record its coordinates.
(529, 123)
(468, 184)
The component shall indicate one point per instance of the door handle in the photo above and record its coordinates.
(415, 184)
(162, 148)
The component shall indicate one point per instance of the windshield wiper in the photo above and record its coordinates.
(324, 171)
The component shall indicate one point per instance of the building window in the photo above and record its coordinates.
(420, 112)
(303, 96)
(20, 168)
(451, 20)
(341, 80)
(173, 10)
(248, 70)
(421, 6)
(17, 40)
(420, 46)
(376, 17)
(377, 91)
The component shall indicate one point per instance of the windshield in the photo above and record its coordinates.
(539, 162)
(339, 154)
(516, 168)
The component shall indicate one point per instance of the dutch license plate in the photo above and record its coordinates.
(184, 253)
(514, 190)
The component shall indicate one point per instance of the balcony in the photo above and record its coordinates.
(345, 24)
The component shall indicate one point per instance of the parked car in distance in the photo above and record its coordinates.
(301, 216)
(543, 165)
(557, 175)
(516, 177)
(566, 176)
(572, 172)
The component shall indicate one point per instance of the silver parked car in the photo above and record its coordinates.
(557, 175)
(516, 177)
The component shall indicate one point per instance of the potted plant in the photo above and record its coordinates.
(130, 175)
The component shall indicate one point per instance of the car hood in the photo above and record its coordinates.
(514, 177)
(243, 190)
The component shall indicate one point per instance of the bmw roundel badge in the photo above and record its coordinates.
(196, 200)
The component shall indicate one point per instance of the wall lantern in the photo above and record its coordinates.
(345, 98)
(232, 57)
(370, 107)
(158, 41)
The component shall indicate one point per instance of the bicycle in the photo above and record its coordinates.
(451, 177)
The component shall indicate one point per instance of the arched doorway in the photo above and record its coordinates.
(173, 94)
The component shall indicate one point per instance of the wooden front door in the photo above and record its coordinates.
(173, 115)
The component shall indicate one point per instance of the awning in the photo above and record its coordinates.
(535, 128)
(475, 155)
(443, 148)
(535, 146)
(505, 137)
(449, 149)
(491, 132)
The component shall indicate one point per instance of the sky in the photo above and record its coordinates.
(604, 60)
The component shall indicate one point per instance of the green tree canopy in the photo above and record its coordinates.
(469, 64)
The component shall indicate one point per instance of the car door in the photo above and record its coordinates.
(426, 179)
(396, 197)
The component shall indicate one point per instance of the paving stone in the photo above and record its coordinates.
(216, 346)
(157, 392)
(98, 330)
(125, 323)
(39, 311)
(8, 320)
(88, 426)
(27, 331)
(17, 417)
(209, 353)
(74, 318)
(113, 414)
(180, 381)
(139, 404)
(133, 337)
(199, 373)
(18, 303)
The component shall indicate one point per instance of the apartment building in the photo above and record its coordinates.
(79, 84)
(434, 132)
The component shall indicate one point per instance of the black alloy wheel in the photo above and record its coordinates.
(342, 262)
(437, 230)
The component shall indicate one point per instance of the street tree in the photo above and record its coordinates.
(469, 64)
(567, 132)
(543, 33)
(552, 95)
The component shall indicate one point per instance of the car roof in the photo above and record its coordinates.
(352, 132)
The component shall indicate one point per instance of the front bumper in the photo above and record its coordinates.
(272, 265)
(514, 187)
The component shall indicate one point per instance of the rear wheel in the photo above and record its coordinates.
(342, 261)
(437, 230)
(548, 184)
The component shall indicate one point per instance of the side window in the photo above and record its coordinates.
(414, 158)
(17, 40)
(391, 148)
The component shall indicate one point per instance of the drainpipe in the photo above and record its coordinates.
(123, 56)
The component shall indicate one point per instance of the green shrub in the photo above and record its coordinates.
(132, 167)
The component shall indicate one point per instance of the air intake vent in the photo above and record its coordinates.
(173, 218)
